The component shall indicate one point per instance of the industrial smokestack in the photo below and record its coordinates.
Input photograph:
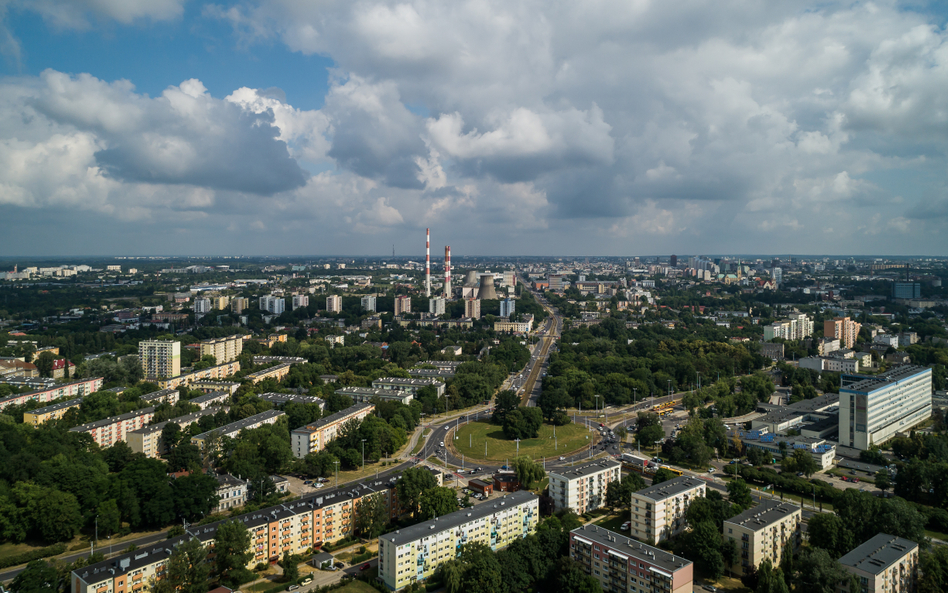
(428, 263)
(486, 290)
(447, 272)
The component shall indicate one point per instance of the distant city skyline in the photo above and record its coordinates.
(523, 127)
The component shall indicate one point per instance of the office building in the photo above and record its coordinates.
(300, 301)
(51, 412)
(223, 349)
(334, 303)
(884, 564)
(436, 306)
(234, 428)
(147, 440)
(623, 564)
(658, 512)
(822, 451)
(114, 430)
(873, 409)
(273, 305)
(906, 290)
(765, 532)
(402, 305)
(414, 554)
(507, 307)
(842, 328)
(160, 359)
(368, 303)
(583, 488)
(238, 304)
(314, 437)
(472, 308)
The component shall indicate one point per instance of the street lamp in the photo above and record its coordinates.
(597, 405)
(518, 447)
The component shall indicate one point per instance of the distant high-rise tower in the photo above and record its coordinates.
(472, 308)
(507, 307)
(436, 306)
(428, 263)
(368, 302)
(160, 359)
(402, 304)
(447, 272)
(334, 303)
(673, 260)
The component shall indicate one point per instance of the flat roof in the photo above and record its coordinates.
(375, 392)
(670, 488)
(865, 383)
(334, 417)
(879, 553)
(113, 419)
(242, 424)
(633, 548)
(276, 367)
(458, 518)
(280, 398)
(210, 397)
(54, 407)
(587, 469)
(764, 514)
(161, 393)
(404, 381)
(187, 418)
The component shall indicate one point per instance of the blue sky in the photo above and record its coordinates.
(517, 127)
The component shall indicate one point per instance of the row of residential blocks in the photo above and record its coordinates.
(292, 527)
(74, 389)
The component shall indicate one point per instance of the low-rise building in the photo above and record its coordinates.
(162, 396)
(211, 373)
(658, 512)
(414, 554)
(147, 440)
(583, 488)
(623, 564)
(822, 451)
(411, 385)
(213, 399)
(764, 532)
(114, 430)
(369, 394)
(214, 386)
(277, 373)
(231, 492)
(279, 399)
(51, 393)
(314, 437)
(234, 428)
(50, 412)
(884, 564)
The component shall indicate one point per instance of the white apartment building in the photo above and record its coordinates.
(273, 305)
(764, 532)
(368, 302)
(873, 409)
(334, 303)
(202, 306)
(299, 301)
(160, 359)
(436, 306)
(223, 349)
(510, 278)
(658, 512)
(414, 554)
(888, 340)
(314, 437)
(796, 327)
(884, 564)
(583, 488)
(402, 304)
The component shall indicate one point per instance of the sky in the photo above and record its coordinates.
(510, 127)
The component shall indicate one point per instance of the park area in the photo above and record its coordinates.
(472, 437)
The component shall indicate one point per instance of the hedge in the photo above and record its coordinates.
(27, 557)
(824, 491)
(343, 543)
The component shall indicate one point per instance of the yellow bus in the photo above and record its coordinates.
(673, 470)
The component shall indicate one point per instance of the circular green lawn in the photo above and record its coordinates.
(472, 437)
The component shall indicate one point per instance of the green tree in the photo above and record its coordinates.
(702, 545)
(109, 517)
(770, 579)
(829, 532)
(411, 485)
(738, 492)
(572, 577)
(290, 563)
(800, 461)
(506, 402)
(39, 576)
(621, 433)
(649, 435)
(523, 423)
(528, 471)
(663, 475)
(934, 571)
(482, 572)
(187, 569)
(371, 516)
(619, 492)
(194, 496)
(44, 363)
(817, 572)
(883, 480)
(52, 515)
(452, 573)
(232, 551)
(437, 502)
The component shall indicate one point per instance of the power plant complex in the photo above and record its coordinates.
(479, 286)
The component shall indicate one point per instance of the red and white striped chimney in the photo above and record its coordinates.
(447, 272)
(428, 263)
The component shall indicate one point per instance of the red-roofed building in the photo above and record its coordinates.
(59, 368)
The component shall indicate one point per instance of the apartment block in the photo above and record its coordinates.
(402, 304)
(436, 306)
(202, 306)
(314, 437)
(510, 278)
(238, 304)
(216, 372)
(873, 409)
(219, 302)
(412, 385)
(583, 488)
(273, 305)
(300, 301)
(277, 373)
(796, 327)
(279, 399)
(884, 564)
(223, 349)
(368, 302)
(472, 308)
(160, 359)
(214, 386)
(764, 532)
(269, 359)
(622, 564)
(507, 307)
(213, 399)
(843, 328)
(113, 430)
(162, 396)
(334, 303)
(658, 512)
(52, 393)
(234, 428)
(51, 412)
(370, 394)
(411, 555)
(147, 440)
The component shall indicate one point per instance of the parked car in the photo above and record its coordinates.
(308, 482)
(366, 566)
(710, 470)
(562, 458)
(626, 525)
(442, 443)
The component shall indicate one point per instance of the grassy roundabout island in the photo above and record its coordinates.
(472, 436)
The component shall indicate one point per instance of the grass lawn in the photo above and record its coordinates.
(937, 535)
(473, 436)
(614, 522)
(357, 587)
(421, 441)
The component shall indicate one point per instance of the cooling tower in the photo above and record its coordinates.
(471, 279)
(486, 290)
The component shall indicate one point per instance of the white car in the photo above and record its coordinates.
(442, 443)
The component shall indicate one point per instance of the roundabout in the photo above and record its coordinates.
(470, 440)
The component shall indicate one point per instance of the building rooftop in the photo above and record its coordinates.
(670, 488)
(458, 518)
(334, 417)
(587, 469)
(879, 553)
(764, 514)
(274, 368)
(160, 394)
(413, 381)
(54, 407)
(633, 548)
(373, 392)
(865, 384)
(112, 420)
(210, 397)
(180, 420)
(235, 427)
(283, 398)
